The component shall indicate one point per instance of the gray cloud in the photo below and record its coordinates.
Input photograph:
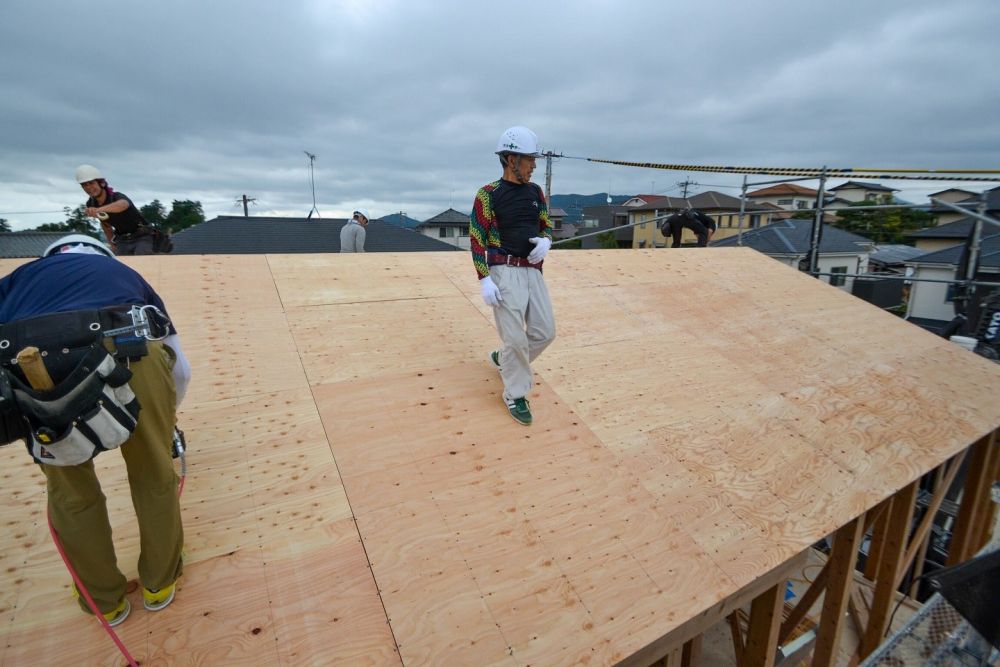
(403, 102)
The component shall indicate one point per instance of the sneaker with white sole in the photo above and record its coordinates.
(519, 410)
(158, 599)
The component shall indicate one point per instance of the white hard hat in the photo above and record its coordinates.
(77, 243)
(518, 139)
(364, 212)
(87, 172)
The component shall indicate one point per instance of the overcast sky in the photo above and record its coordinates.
(403, 102)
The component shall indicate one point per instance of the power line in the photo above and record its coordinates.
(906, 174)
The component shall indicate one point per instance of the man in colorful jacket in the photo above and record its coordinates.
(511, 234)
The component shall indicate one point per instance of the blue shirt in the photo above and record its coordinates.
(72, 281)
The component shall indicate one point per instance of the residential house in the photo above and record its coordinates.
(944, 215)
(788, 241)
(786, 196)
(892, 258)
(450, 227)
(560, 228)
(854, 192)
(723, 208)
(932, 305)
(605, 218)
(933, 239)
(643, 200)
(237, 235)
(27, 243)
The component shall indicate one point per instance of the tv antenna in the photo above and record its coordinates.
(312, 184)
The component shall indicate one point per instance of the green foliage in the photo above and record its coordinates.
(572, 244)
(886, 225)
(184, 214)
(607, 239)
(154, 214)
(76, 223)
(4, 225)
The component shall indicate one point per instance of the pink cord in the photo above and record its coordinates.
(86, 594)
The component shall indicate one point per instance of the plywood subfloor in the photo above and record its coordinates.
(357, 493)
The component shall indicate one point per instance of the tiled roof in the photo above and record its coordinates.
(792, 237)
(258, 235)
(784, 189)
(894, 253)
(26, 244)
(864, 186)
(953, 230)
(992, 199)
(989, 254)
(703, 201)
(449, 217)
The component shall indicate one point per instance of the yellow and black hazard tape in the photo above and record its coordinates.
(816, 172)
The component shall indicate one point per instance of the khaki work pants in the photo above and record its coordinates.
(525, 323)
(78, 507)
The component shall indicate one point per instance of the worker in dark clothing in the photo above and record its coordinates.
(126, 230)
(45, 307)
(702, 225)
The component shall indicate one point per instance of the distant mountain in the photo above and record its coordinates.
(573, 204)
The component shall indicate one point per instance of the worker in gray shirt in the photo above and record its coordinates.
(352, 235)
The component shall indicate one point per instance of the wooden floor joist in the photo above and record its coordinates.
(357, 492)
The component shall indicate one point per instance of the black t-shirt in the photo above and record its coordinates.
(517, 207)
(126, 222)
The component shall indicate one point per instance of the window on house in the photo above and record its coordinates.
(838, 281)
(754, 221)
(442, 232)
(801, 204)
(869, 196)
(464, 232)
(784, 202)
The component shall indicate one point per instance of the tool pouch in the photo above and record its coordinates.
(91, 410)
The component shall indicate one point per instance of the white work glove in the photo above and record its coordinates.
(490, 291)
(542, 246)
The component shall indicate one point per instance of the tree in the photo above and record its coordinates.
(885, 225)
(184, 214)
(155, 214)
(607, 239)
(4, 225)
(76, 222)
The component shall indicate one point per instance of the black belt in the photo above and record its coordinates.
(75, 328)
(500, 259)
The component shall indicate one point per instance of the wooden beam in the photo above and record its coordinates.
(841, 579)
(985, 520)
(880, 519)
(975, 500)
(805, 603)
(890, 561)
(923, 530)
(691, 653)
(858, 610)
(737, 634)
(765, 621)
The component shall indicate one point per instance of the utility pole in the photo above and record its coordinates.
(246, 200)
(548, 173)
(686, 184)
(312, 183)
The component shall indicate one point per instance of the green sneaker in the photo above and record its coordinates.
(495, 358)
(519, 410)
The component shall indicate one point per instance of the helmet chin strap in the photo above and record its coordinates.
(517, 170)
